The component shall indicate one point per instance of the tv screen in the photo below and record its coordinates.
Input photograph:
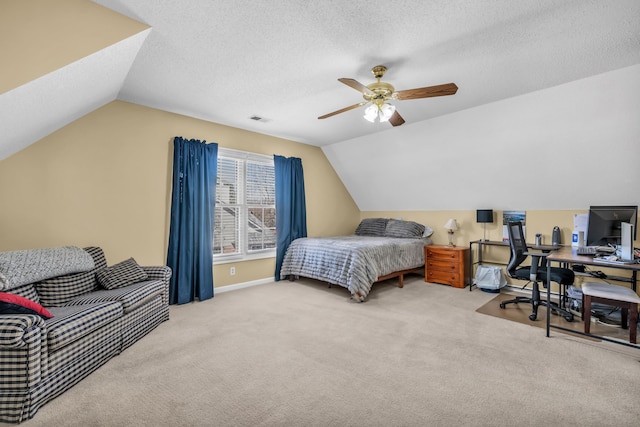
(604, 224)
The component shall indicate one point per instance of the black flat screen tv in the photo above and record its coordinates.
(604, 224)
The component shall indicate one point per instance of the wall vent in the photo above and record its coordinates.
(259, 119)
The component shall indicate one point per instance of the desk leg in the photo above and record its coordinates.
(470, 266)
(548, 297)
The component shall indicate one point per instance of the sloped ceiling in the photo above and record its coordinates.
(64, 59)
(225, 61)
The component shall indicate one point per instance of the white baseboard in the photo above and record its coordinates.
(243, 285)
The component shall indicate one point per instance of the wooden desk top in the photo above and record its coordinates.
(569, 254)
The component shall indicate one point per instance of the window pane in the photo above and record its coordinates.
(260, 235)
(226, 230)
(270, 217)
(227, 181)
(260, 184)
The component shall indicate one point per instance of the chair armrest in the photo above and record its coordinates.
(536, 254)
(535, 263)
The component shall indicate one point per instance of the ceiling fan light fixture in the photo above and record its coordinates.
(386, 111)
(371, 113)
(379, 113)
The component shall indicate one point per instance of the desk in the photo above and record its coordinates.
(568, 255)
(482, 243)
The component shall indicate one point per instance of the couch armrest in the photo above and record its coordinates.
(15, 329)
(22, 352)
(162, 273)
(158, 273)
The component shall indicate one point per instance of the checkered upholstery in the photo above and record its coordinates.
(130, 297)
(124, 273)
(59, 290)
(26, 291)
(139, 323)
(40, 359)
(163, 274)
(20, 341)
(68, 324)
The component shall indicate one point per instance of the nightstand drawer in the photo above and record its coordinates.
(444, 254)
(442, 265)
(445, 277)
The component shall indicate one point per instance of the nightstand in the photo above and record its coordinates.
(448, 265)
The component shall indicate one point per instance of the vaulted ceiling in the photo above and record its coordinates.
(227, 61)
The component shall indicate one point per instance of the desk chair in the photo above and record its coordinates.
(614, 295)
(535, 273)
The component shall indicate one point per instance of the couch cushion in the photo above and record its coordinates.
(27, 291)
(58, 291)
(131, 297)
(74, 322)
(15, 304)
(121, 274)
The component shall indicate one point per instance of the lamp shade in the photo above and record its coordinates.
(451, 224)
(484, 215)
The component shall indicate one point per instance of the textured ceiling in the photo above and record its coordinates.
(228, 60)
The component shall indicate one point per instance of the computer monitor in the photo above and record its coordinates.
(604, 224)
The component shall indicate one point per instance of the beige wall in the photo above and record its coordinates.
(43, 26)
(538, 221)
(105, 180)
(468, 230)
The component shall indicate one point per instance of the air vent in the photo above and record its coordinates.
(259, 119)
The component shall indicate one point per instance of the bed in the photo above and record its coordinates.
(380, 249)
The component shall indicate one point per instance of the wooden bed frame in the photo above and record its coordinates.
(398, 274)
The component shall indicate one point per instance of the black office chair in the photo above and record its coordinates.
(535, 273)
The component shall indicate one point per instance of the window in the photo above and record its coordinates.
(245, 211)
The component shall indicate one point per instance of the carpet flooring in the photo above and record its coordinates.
(303, 354)
(520, 313)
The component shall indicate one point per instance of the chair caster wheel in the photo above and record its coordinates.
(533, 317)
(502, 305)
(569, 318)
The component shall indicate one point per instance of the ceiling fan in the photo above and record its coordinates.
(380, 92)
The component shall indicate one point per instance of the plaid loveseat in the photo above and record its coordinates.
(41, 358)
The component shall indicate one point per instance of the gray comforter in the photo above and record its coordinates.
(354, 262)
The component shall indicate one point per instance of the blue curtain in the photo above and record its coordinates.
(291, 211)
(190, 253)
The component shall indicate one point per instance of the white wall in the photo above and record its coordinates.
(567, 147)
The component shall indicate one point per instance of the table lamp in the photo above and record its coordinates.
(451, 226)
(484, 217)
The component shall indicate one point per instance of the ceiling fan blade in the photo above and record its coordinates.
(428, 92)
(396, 119)
(351, 107)
(356, 85)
